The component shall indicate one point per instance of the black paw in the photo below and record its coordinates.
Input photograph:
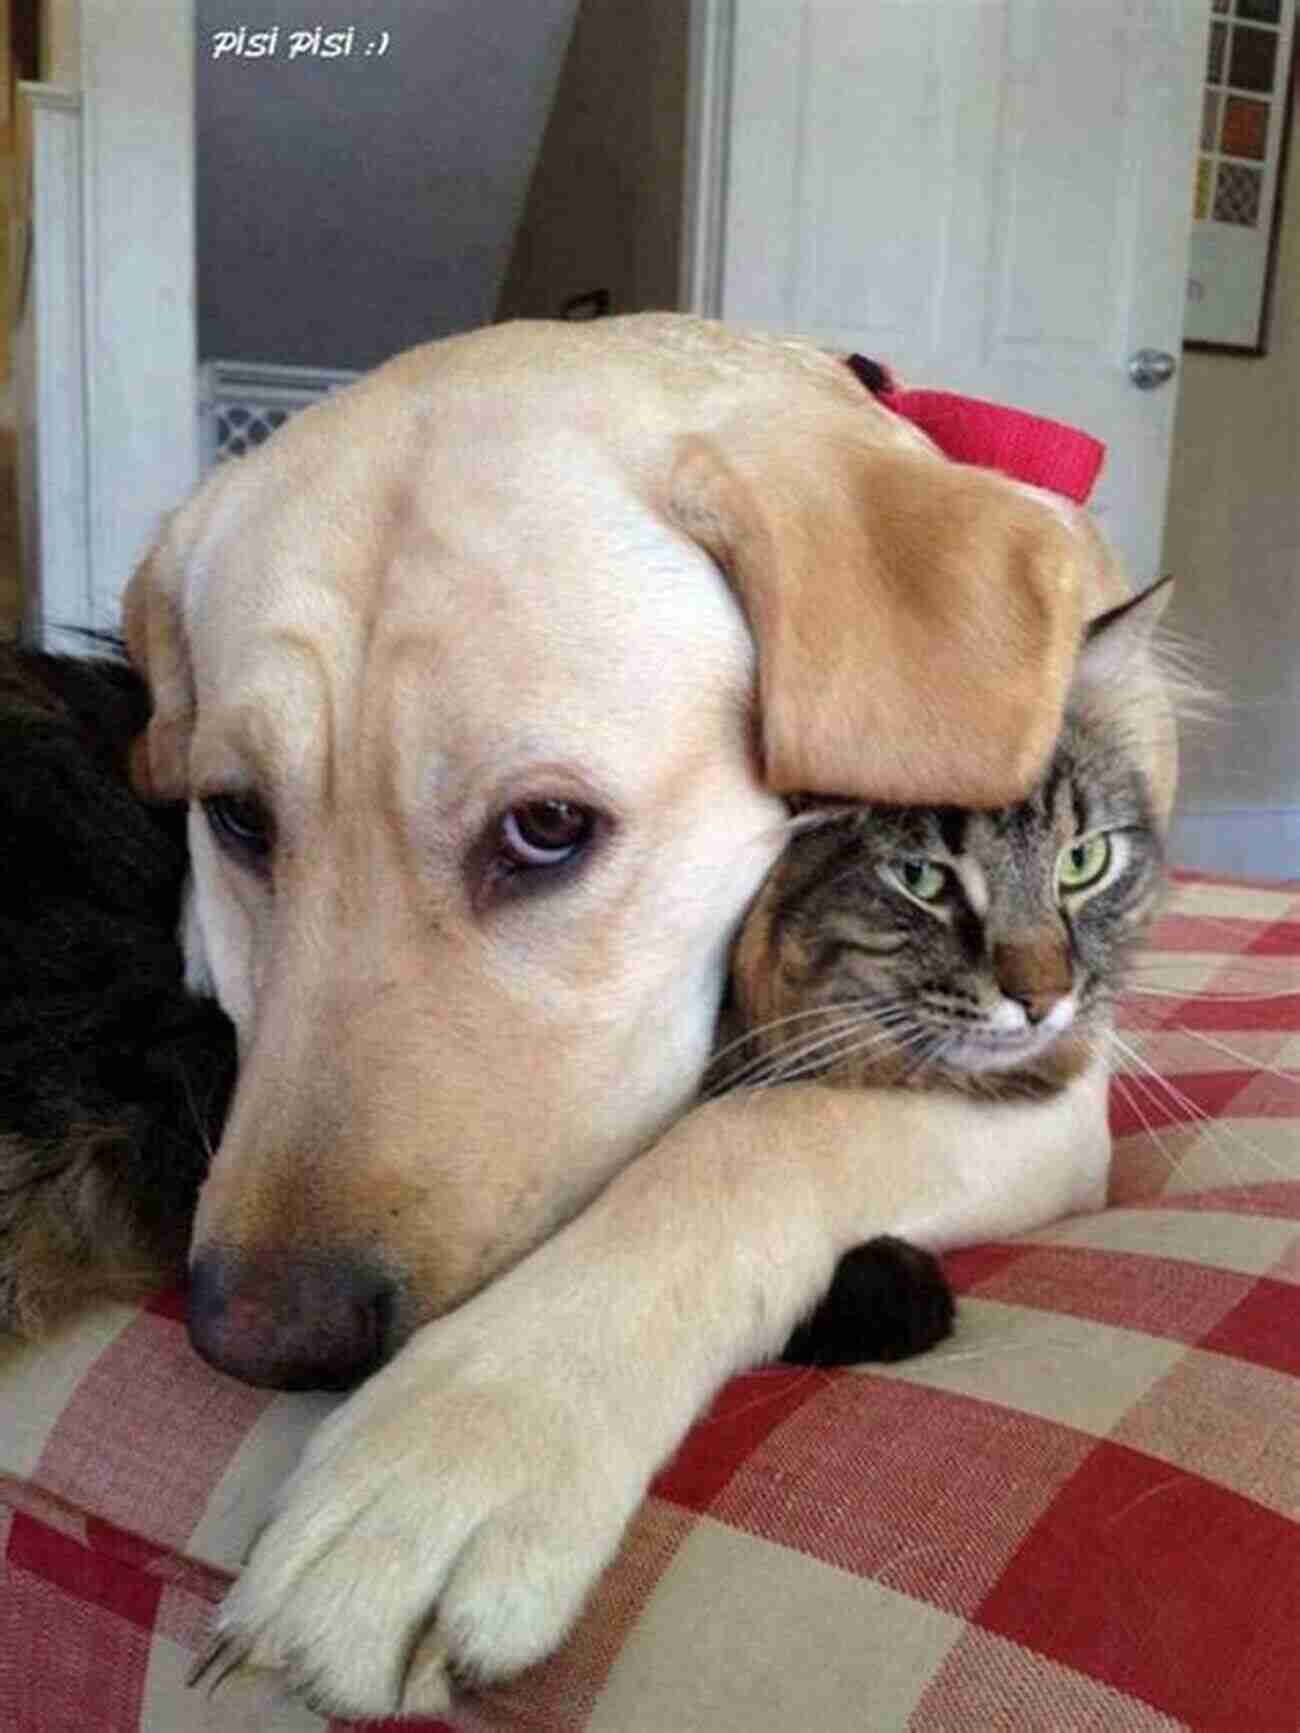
(887, 1300)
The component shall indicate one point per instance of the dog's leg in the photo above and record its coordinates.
(450, 1520)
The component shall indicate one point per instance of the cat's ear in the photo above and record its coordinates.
(1113, 640)
(916, 620)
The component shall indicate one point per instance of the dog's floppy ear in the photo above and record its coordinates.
(155, 642)
(916, 620)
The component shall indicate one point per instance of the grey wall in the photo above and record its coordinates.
(350, 207)
(605, 207)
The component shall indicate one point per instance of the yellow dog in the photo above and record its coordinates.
(485, 680)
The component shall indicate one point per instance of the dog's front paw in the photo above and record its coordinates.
(445, 1525)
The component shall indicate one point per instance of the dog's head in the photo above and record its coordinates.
(483, 680)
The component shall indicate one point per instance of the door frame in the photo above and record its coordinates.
(708, 125)
(132, 401)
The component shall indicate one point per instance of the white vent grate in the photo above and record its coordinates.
(241, 403)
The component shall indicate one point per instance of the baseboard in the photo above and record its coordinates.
(1246, 842)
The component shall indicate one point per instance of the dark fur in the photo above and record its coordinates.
(113, 1081)
(888, 1300)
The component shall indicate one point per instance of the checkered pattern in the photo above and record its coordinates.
(1083, 1512)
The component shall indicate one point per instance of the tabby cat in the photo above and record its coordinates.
(942, 948)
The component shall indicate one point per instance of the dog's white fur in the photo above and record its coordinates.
(491, 574)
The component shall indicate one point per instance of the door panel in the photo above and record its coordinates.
(992, 195)
(1063, 249)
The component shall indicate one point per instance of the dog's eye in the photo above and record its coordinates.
(545, 833)
(241, 825)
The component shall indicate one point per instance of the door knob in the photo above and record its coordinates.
(1148, 368)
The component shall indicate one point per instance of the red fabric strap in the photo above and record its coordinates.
(1029, 448)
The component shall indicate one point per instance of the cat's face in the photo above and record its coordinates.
(919, 944)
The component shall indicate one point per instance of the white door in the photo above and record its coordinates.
(989, 195)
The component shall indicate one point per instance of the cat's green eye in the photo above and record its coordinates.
(919, 877)
(1083, 863)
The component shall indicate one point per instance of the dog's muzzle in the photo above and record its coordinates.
(289, 1321)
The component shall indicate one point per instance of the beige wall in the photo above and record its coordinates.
(605, 206)
(1232, 541)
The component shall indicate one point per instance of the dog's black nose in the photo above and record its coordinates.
(292, 1322)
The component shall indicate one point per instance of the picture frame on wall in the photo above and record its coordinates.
(1246, 118)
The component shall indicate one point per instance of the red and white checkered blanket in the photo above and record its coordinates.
(1082, 1512)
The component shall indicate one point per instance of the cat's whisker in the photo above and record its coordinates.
(855, 1040)
(849, 1016)
(773, 1066)
(830, 1049)
(1221, 1131)
(1242, 996)
(1125, 1083)
(856, 1013)
(200, 1125)
(1136, 1086)
(762, 1030)
(1256, 1066)
(1243, 963)
(1216, 1129)
(800, 1047)
(901, 1043)
(833, 1008)
(946, 1354)
(930, 1051)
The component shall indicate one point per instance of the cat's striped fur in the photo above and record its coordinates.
(935, 947)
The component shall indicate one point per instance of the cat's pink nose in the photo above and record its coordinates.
(1035, 973)
(1037, 1006)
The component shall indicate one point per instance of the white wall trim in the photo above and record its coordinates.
(107, 383)
(708, 119)
(137, 62)
(1241, 842)
(50, 368)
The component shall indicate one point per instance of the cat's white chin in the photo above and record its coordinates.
(1005, 1055)
(1010, 1039)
